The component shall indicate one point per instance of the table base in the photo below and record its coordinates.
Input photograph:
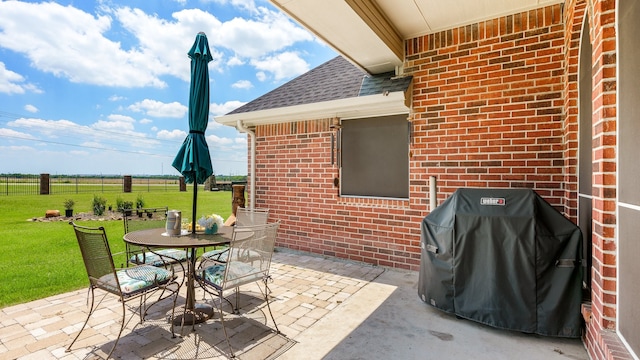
(199, 314)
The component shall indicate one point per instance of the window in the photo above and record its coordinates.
(374, 157)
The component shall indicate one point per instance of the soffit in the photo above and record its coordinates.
(371, 33)
(355, 107)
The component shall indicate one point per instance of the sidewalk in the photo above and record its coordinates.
(327, 308)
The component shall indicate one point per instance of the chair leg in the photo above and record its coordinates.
(224, 329)
(124, 313)
(236, 308)
(91, 309)
(266, 298)
(173, 312)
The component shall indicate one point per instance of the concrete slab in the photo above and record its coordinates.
(387, 320)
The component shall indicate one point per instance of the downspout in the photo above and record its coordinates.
(252, 170)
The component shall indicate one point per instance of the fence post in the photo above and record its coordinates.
(126, 185)
(44, 184)
(183, 185)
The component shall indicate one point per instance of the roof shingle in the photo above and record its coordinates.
(334, 80)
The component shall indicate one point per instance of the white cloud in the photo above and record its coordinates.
(30, 108)
(216, 140)
(15, 134)
(77, 49)
(113, 126)
(242, 84)
(116, 98)
(248, 5)
(235, 61)
(16, 148)
(107, 44)
(159, 109)
(171, 135)
(121, 118)
(166, 42)
(118, 130)
(84, 48)
(272, 32)
(51, 128)
(222, 109)
(283, 66)
(13, 83)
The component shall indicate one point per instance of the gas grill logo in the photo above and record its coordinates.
(493, 201)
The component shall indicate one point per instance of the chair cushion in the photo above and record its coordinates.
(219, 255)
(239, 273)
(136, 279)
(156, 258)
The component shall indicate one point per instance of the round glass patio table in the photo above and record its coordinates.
(157, 238)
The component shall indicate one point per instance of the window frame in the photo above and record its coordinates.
(363, 182)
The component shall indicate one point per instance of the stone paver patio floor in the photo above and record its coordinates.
(304, 289)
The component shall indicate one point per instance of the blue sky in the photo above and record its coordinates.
(102, 87)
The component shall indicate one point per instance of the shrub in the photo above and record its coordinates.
(68, 204)
(99, 204)
(139, 202)
(119, 202)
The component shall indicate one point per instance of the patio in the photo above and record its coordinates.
(327, 308)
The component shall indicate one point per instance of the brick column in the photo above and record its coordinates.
(183, 185)
(126, 184)
(44, 184)
(238, 198)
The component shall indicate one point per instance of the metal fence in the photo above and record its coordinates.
(19, 184)
(11, 184)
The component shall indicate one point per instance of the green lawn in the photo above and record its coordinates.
(39, 259)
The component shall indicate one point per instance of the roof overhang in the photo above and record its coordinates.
(371, 33)
(357, 107)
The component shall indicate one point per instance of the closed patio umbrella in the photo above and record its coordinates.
(193, 160)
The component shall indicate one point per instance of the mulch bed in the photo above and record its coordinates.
(108, 215)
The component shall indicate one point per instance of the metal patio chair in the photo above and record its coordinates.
(136, 282)
(248, 217)
(143, 219)
(244, 217)
(248, 261)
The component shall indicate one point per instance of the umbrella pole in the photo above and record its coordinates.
(193, 212)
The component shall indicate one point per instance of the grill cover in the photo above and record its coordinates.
(505, 258)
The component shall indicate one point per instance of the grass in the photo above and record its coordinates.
(40, 259)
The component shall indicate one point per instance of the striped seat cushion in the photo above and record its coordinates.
(156, 258)
(135, 279)
(239, 273)
(219, 255)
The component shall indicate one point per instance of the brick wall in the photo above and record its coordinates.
(494, 104)
(573, 18)
(488, 104)
(602, 341)
(295, 180)
(487, 112)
